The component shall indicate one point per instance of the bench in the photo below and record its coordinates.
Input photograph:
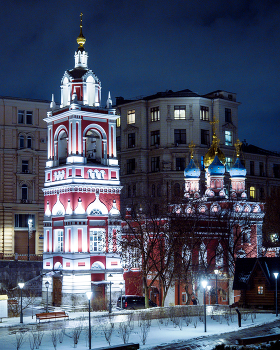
(51, 315)
(258, 339)
(130, 346)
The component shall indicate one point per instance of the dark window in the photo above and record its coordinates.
(180, 136)
(177, 190)
(154, 164)
(29, 142)
(155, 137)
(131, 140)
(276, 170)
(21, 141)
(204, 113)
(179, 112)
(155, 114)
(205, 140)
(29, 117)
(180, 163)
(252, 167)
(20, 117)
(227, 115)
(261, 193)
(261, 169)
(118, 143)
(21, 220)
(130, 166)
(24, 192)
(24, 166)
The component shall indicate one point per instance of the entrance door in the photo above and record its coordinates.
(57, 291)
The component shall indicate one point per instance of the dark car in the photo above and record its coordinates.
(133, 302)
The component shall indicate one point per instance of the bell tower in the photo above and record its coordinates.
(82, 189)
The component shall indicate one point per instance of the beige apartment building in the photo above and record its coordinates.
(154, 133)
(23, 152)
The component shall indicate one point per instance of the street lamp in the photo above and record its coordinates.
(216, 271)
(121, 285)
(89, 294)
(47, 284)
(204, 285)
(30, 222)
(276, 276)
(209, 288)
(110, 302)
(21, 285)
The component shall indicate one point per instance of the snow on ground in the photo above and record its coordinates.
(160, 332)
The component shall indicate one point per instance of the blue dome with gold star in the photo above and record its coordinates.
(192, 171)
(238, 169)
(216, 167)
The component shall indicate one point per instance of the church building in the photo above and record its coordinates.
(81, 190)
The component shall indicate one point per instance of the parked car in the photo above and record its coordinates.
(133, 302)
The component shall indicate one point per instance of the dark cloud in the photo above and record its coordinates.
(139, 47)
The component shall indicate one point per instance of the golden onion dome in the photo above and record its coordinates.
(213, 150)
(81, 39)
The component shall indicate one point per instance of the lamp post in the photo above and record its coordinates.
(89, 294)
(110, 300)
(30, 222)
(121, 285)
(204, 285)
(276, 276)
(209, 288)
(21, 285)
(47, 284)
(216, 271)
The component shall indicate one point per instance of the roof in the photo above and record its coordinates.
(77, 73)
(24, 99)
(246, 148)
(245, 267)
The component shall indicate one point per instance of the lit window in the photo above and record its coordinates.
(131, 116)
(20, 117)
(154, 164)
(155, 114)
(155, 137)
(179, 112)
(228, 163)
(260, 290)
(97, 240)
(118, 122)
(228, 138)
(59, 240)
(180, 136)
(252, 192)
(29, 117)
(204, 113)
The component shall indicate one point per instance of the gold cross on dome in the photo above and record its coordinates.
(213, 123)
(237, 146)
(191, 147)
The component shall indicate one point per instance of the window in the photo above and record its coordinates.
(205, 140)
(130, 166)
(180, 112)
(261, 193)
(228, 138)
(228, 163)
(131, 116)
(154, 164)
(180, 136)
(227, 115)
(21, 220)
(177, 190)
(261, 169)
(29, 117)
(24, 192)
(204, 113)
(252, 192)
(252, 167)
(59, 240)
(155, 137)
(29, 142)
(118, 122)
(155, 114)
(131, 140)
(260, 290)
(180, 164)
(118, 143)
(21, 141)
(20, 117)
(24, 166)
(276, 170)
(97, 240)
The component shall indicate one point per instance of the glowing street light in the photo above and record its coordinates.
(216, 271)
(47, 284)
(204, 285)
(276, 276)
(89, 294)
(21, 285)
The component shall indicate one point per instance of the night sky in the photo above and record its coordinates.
(140, 47)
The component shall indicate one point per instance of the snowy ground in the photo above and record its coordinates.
(161, 331)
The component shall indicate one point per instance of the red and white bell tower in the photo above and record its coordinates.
(82, 189)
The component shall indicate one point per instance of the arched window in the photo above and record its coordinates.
(24, 192)
(21, 141)
(29, 142)
(253, 192)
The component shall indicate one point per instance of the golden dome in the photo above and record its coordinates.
(81, 39)
(213, 150)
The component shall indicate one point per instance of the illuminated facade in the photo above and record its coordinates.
(82, 189)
